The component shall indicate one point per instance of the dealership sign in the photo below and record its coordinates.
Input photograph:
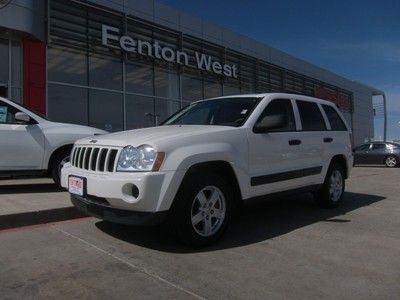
(128, 44)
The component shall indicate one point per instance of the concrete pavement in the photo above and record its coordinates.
(280, 249)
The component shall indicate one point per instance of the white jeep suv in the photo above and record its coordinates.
(32, 145)
(210, 156)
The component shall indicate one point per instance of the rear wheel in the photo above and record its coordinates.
(391, 161)
(58, 162)
(332, 191)
(202, 209)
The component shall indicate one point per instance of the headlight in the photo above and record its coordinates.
(142, 158)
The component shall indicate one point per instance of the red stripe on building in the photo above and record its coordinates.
(35, 74)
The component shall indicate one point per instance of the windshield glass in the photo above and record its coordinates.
(224, 112)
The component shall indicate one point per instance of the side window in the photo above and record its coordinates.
(334, 119)
(7, 114)
(378, 146)
(281, 107)
(310, 115)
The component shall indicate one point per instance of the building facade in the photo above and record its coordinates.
(127, 64)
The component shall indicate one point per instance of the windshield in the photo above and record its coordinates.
(224, 112)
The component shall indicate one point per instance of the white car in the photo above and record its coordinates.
(32, 145)
(210, 156)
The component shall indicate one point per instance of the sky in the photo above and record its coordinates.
(359, 40)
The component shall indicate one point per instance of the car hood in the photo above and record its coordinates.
(73, 128)
(154, 135)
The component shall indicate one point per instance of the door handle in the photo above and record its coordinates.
(328, 140)
(294, 142)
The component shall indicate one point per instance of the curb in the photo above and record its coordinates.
(39, 217)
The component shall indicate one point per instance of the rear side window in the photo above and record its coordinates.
(335, 120)
(310, 115)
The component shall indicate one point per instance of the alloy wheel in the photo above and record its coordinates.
(335, 186)
(208, 211)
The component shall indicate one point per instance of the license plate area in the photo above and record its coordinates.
(77, 185)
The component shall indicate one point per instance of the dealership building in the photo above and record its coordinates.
(124, 64)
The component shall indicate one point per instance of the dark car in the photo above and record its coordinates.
(378, 153)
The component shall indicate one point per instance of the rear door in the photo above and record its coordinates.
(312, 134)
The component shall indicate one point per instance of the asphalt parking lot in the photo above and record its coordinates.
(278, 249)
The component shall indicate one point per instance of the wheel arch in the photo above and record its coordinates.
(67, 147)
(222, 167)
(341, 160)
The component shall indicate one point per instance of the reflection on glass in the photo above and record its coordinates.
(67, 104)
(4, 68)
(106, 110)
(212, 89)
(16, 65)
(231, 89)
(105, 73)
(165, 109)
(16, 95)
(192, 88)
(139, 111)
(67, 66)
(139, 78)
(167, 83)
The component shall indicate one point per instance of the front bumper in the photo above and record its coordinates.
(156, 190)
(90, 206)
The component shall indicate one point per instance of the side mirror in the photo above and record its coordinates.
(270, 123)
(22, 117)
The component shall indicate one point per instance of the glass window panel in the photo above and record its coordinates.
(231, 89)
(310, 115)
(105, 73)
(67, 104)
(212, 89)
(166, 108)
(4, 67)
(16, 66)
(167, 83)
(192, 88)
(139, 78)
(16, 94)
(67, 66)
(106, 110)
(139, 111)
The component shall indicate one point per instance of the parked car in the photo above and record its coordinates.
(32, 145)
(207, 158)
(378, 153)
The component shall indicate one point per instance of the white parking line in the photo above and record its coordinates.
(143, 270)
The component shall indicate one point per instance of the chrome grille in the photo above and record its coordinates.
(100, 159)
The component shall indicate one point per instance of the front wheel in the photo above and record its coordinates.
(59, 161)
(202, 209)
(332, 191)
(391, 161)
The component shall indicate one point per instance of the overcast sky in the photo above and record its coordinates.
(357, 39)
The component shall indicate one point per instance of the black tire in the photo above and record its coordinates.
(180, 218)
(391, 161)
(326, 197)
(57, 164)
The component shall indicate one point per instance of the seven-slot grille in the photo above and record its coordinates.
(99, 159)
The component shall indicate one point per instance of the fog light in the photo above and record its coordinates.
(135, 191)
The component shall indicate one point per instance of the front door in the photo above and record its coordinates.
(21, 144)
(274, 156)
